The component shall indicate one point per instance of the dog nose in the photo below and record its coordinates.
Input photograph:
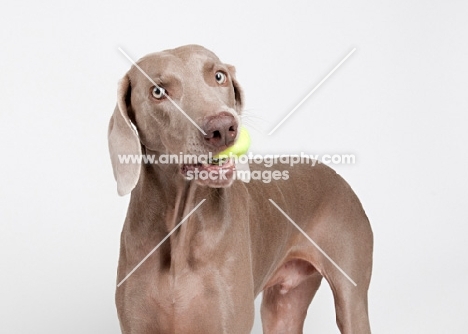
(221, 130)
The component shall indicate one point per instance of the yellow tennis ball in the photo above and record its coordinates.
(240, 147)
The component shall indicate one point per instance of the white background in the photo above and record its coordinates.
(399, 103)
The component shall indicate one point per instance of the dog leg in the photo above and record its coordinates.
(351, 307)
(285, 304)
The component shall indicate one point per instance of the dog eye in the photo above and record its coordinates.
(158, 92)
(220, 77)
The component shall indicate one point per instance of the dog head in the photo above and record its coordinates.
(183, 100)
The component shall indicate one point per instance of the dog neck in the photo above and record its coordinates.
(163, 191)
(162, 199)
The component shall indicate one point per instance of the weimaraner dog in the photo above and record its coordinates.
(205, 276)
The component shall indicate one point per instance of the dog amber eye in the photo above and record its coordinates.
(220, 77)
(158, 92)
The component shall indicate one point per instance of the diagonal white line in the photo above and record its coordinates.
(161, 242)
(313, 242)
(312, 91)
(167, 96)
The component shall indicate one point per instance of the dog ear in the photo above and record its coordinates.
(238, 91)
(123, 140)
